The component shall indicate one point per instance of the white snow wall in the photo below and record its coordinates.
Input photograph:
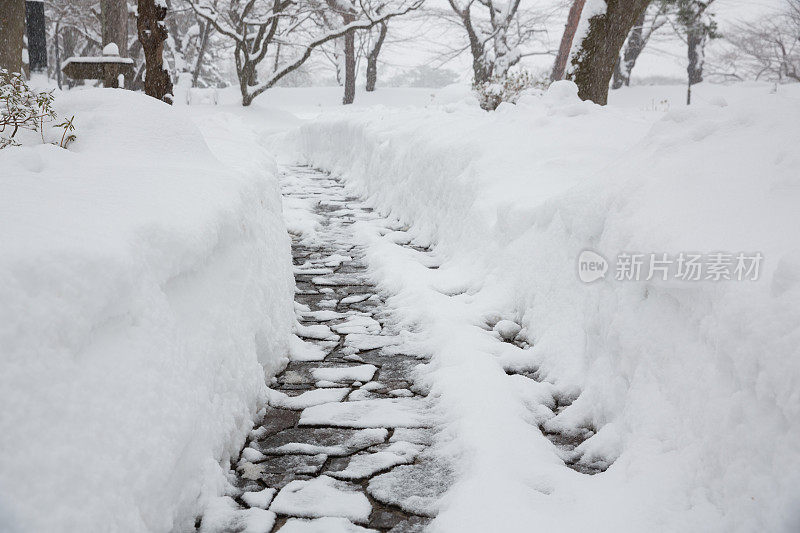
(695, 387)
(145, 289)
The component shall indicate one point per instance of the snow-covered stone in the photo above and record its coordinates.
(415, 488)
(345, 373)
(327, 441)
(363, 342)
(320, 497)
(260, 499)
(306, 399)
(507, 329)
(327, 524)
(394, 412)
(364, 465)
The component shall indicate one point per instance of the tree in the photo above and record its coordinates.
(114, 24)
(12, 34)
(768, 48)
(346, 52)
(698, 26)
(424, 76)
(570, 29)
(372, 57)
(346, 9)
(75, 29)
(640, 34)
(255, 26)
(592, 64)
(489, 43)
(152, 34)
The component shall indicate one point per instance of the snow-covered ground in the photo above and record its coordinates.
(692, 387)
(146, 288)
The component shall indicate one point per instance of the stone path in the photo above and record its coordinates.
(345, 443)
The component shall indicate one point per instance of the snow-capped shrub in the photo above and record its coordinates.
(22, 108)
(507, 89)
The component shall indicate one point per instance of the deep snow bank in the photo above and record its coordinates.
(693, 386)
(145, 288)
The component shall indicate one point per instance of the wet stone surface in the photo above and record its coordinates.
(367, 465)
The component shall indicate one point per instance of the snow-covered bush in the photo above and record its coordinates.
(23, 108)
(507, 88)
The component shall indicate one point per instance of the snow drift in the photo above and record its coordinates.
(146, 288)
(693, 387)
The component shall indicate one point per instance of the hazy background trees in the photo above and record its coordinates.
(498, 47)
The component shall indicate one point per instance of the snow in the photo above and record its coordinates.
(300, 350)
(146, 289)
(145, 303)
(252, 455)
(260, 499)
(258, 521)
(691, 386)
(507, 329)
(335, 280)
(357, 324)
(395, 412)
(98, 59)
(328, 524)
(591, 8)
(315, 331)
(362, 466)
(334, 446)
(344, 373)
(412, 435)
(322, 496)
(364, 341)
(111, 49)
(334, 260)
(414, 488)
(312, 270)
(307, 399)
(355, 298)
(223, 514)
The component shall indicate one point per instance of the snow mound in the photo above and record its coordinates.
(692, 387)
(146, 288)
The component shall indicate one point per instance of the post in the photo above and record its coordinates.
(37, 35)
(12, 32)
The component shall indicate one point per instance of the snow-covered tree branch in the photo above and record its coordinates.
(254, 27)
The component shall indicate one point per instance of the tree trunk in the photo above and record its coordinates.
(574, 16)
(634, 47)
(481, 72)
(594, 62)
(114, 29)
(201, 52)
(349, 63)
(372, 59)
(57, 43)
(277, 62)
(37, 36)
(152, 34)
(114, 21)
(12, 32)
(696, 41)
